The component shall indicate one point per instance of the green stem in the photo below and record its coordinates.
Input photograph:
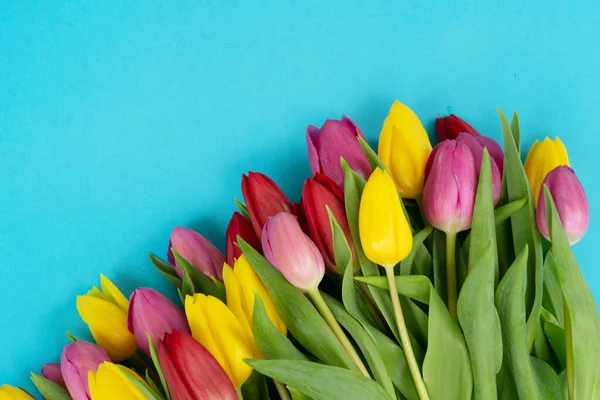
(239, 393)
(404, 339)
(283, 393)
(328, 316)
(569, 352)
(451, 272)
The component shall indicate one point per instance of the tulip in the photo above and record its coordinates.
(263, 198)
(239, 226)
(542, 158)
(105, 313)
(335, 140)
(196, 250)
(451, 126)
(191, 371)
(51, 371)
(220, 332)
(292, 252)
(571, 204)
(476, 144)
(109, 382)
(8, 392)
(403, 148)
(319, 193)
(77, 361)
(241, 286)
(152, 313)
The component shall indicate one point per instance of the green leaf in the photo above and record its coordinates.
(479, 321)
(506, 211)
(201, 283)
(255, 387)
(243, 209)
(297, 395)
(372, 157)
(166, 270)
(148, 393)
(298, 314)
(584, 327)
(321, 382)
(71, 337)
(157, 366)
(48, 389)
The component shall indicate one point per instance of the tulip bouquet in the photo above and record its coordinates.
(414, 272)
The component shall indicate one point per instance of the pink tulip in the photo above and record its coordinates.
(77, 360)
(292, 252)
(333, 140)
(571, 203)
(196, 250)
(51, 371)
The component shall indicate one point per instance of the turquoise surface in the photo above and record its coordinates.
(119, 120)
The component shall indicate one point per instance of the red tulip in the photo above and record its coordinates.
(239, 226)
(263, 198)
(319, 193)
(191, 371)
(451, 126)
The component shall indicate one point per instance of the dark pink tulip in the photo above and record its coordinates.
(51, 371)
(196, 250)
(77, 360)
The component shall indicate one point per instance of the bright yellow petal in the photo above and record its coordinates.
(111, 292)
(8, 392)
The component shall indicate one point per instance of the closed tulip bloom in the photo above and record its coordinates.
(191, 371)
(571, 204)
(77, 361)
(451, 126)
(450, 187)
(384, 231)
(152, 313)
(202, 255)
(334, 140)
(542, 158)
(109, 382)
(288, 248)
(8, 392)
(241, 286)
(319, 193)
(220, 332)
(264, 199)
(404, 148)
(105, 313)
(476, 144)
(239, 226)
(51, 371)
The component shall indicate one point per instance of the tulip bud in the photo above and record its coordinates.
(450, 187)
(403, 148)
(451, 126)
(51, 371)
(219, 331)
(476, 144)
(571, 204)
(152, 313)
(109, 382)
(384, 230)
(335, 140)
(292, 252)
(77, 361)
(105, 313)
(542, 158)
(196, 250)
(264, 199)
(8, 392)
(239, 226)
(191, 371)
(318, 194)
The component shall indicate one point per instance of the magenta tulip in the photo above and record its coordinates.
(77, 360)
(570, 200)
(152, 313)
(52, 371)
(196, 250)
(450, 187)
(292, 252)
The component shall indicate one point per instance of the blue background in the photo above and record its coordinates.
(119, 120)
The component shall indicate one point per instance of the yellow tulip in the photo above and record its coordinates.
(384, 231)
(404, 148)
(219, 331)
(241, 284)
(542, 158)
(105, 313)
(110, 382)
(8, 392)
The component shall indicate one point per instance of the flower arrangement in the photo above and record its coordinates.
(416, 272)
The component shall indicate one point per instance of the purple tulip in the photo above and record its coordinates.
(450, 187)
(77, 360)
(292, 252)
(476, 144)
(333, 140)
(196, 250)
(571, 203)
(152, 313)
(52, 371)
